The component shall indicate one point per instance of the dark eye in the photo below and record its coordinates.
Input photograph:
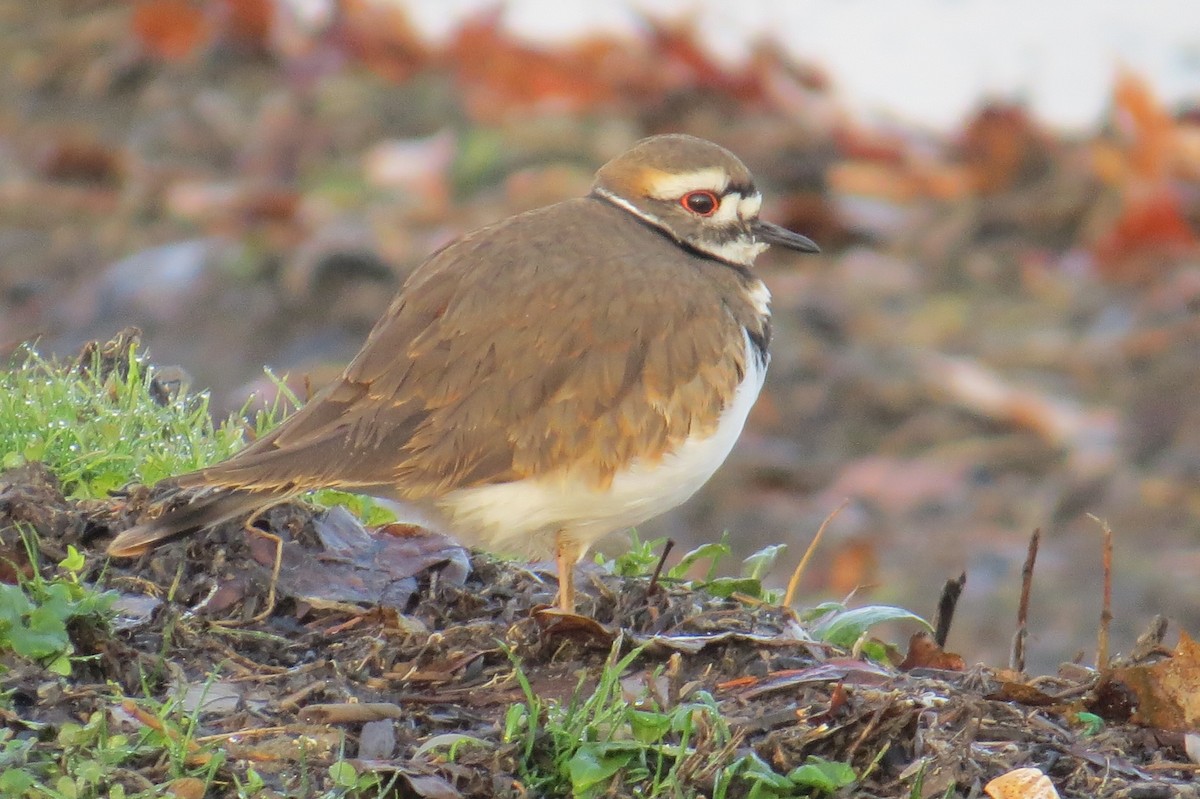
(703, 203)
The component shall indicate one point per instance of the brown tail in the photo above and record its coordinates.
(205, 510)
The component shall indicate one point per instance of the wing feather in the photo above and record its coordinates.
(500, 359)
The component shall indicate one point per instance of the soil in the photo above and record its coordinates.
(288, 674)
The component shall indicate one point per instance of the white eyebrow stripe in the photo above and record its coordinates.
(666, 186)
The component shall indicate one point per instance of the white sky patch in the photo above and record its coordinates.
(929, 62)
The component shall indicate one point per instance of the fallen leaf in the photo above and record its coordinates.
(558, 623)
(790, 635)
(840, 670)
(430, 786)
(186, 788)
(1166, 695)
(1146, 129)
(350, 712)
(377, 740)
(1152, 222)
(172, 30)
(1023, 694)
(357, 567)
(498, 75)
(132, 611)
(381, 37)
(1022, 783)
(1002, 148)
(294, 744)
(924, 653)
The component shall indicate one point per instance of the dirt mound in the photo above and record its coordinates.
(368, 647)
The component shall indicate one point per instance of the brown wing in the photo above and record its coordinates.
(502, 357)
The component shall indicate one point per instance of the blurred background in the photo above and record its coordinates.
(1003, 332)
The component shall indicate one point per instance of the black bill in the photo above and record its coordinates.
(771, 233)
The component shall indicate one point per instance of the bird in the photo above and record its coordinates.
(543, 381)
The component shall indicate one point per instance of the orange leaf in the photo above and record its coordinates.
(1168, 692)
(1021, 783)
(1002, 147)
(170, 29)
(687, 65)
(499, 75)
(923, 653)
(1150, 223)
(381, 37)
(1145, 125)
(248, 22)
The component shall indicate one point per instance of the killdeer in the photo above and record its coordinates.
(546, 380)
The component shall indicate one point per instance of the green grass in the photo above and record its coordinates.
(641, 557)
(99, 428)
(98, 432)
(600, 743)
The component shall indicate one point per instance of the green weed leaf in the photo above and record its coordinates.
(822, 775)
(758, 565)
(845, 627)
(593, 764)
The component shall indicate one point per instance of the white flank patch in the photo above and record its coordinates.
(668, 186)
(760, 295)
(523, 517)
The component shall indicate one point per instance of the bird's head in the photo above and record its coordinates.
(699, 194)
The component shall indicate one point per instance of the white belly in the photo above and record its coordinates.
(522, 517)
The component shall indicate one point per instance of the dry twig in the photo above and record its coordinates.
(794, 583)
(947, 604)
(667, 547)
(1106, 617)
(1017, 661)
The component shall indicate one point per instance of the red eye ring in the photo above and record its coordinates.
(701, 203)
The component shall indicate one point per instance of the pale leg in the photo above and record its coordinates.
(566, 555)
